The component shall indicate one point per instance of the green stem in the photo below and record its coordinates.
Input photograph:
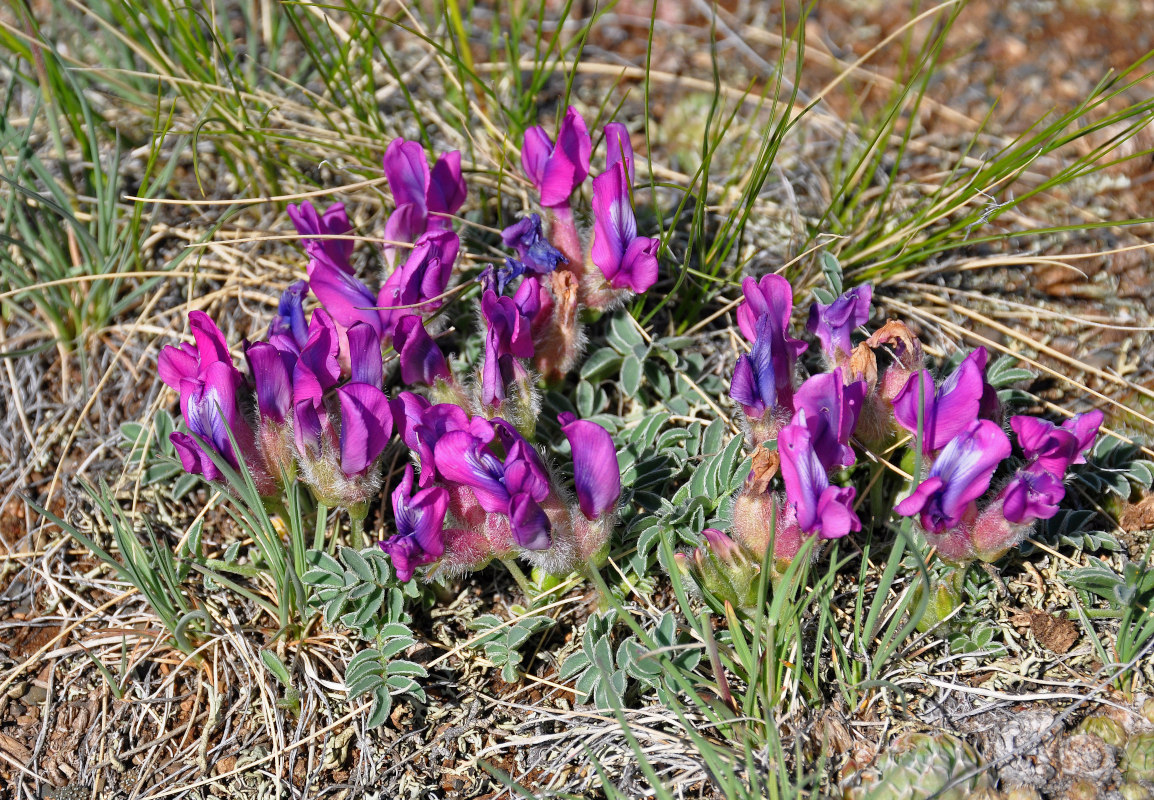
(322, 524)
(519, 576)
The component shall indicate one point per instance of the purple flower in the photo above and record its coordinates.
(334, 222)
(288, 330)
(960, 474)
(508, 337)
(1052, 449)
(557, 170)
(496, 278)
(421, 197)
(619, 149)
(533, 249)
(366, 421)
(414, 287)
(408, 410)
(271, 371)
(434, 422)
(949, 409)
(420, 517)
(192, 360)
(772, 297)
(422, 361)
(833, 323)
(417, 286)
(514, 486)
(318, 369)
(627, 261)
(821, 509)
(829, 410)
(595, 472)
(755, 381)
(366, 425)
(1031, 495)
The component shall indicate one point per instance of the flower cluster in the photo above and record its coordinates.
(313, 404)
(805, 431)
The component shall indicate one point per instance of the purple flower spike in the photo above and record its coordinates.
(595, 472)
(422, 361)
(821, 509)
(831, 411)
(420, 517)
(289, 330)
(960, 475)
(556, 170)
(1053, 449)
(175, 364)
(271, 371)
(334, 222)
(619, 149)
(366, 425)
(533, 249)
(833, 324)
(627, 261)
(755, 381)
(949, 409)
(1030, 496)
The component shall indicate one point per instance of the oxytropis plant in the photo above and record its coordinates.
(806, 431)
(313, 405)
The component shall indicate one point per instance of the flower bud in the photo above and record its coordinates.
(723, 568)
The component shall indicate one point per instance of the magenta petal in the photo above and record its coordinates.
(639, 265)
(619, 149)
(462, 458)
(421, 359)
(920, 497)
(319, 368)
(308, 429)
(407, 172)
(271, 377)
(614, 225)
(447, 190)
(968, 462)
(1030, 496)
(531, 526)
(175, 363)
(366, 425)
(193, 458)
(595, 472)
(210, 342)
(408, 411)
(1085, 429)
(835, 510)
(804, 477)
(343, 296)
(833, 323)
(365, 363)
(568, 164)
(405, 224)
(535, 151)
